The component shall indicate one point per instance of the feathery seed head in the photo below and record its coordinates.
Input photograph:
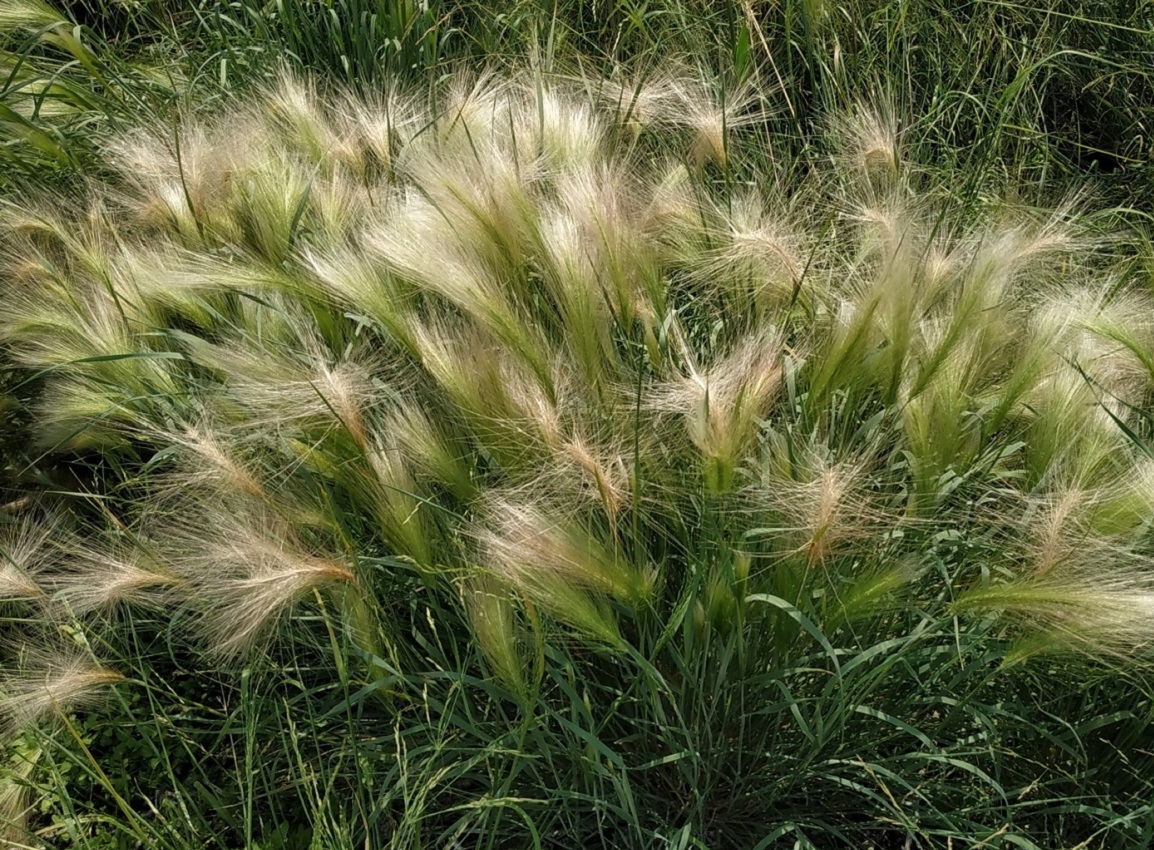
(397, 501)
(1058, 536)
(688, 101)
(16, 806)
(826, 504)
(1105, 617)
(605, 472)
(180, 179)
(1123, 503)
(93, 580)
(526, 546)
(50, 683)
(755, 253)
(364, 286)
(295, 107)
(208, 462)
(380, 128)
(28, 14)
(1009, 254)
(869, 141)
(295, 385)
(567, 132)
(491, 613)
(247, 576)
(433, 452)
(674, 213)
(722, 405)
(24, 555)
(642, 103)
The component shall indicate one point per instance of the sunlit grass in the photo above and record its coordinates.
(731, 432)
(523, 390)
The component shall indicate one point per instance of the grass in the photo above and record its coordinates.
(752, 452)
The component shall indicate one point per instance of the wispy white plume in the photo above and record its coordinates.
(47, 684)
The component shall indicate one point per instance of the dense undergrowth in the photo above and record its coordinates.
(401, 455)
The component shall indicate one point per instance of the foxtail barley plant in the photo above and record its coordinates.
(743, 491)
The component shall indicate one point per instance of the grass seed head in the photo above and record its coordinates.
(91, 579)
(25, 553)
(48, 684)
(245, 574)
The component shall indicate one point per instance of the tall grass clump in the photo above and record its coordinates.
(522, 465)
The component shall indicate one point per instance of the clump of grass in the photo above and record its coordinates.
(637, 440)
